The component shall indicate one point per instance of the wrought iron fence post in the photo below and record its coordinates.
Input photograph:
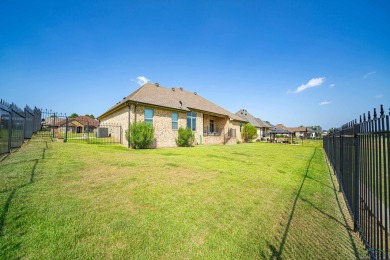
(340, 163)
(10, 129)
(356, 209)
(87, 132)
(54, 124)
(66, 130)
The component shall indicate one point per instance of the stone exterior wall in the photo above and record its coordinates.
(235, 125)
(259, 133)
(119, 118)
(164, 135)
(219, 128)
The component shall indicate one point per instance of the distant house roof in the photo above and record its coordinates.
(262, 123)
(173, 98)
(83, 120)
(87, 121)
(51, 121)
(257, 122)
(276, 130)
(291, 129)
(298, 129)
(281, 126)
(244, 114)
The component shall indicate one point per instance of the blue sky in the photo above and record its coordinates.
(291, 62)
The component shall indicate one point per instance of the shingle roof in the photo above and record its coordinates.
(86, 120)
(298, 129)
(292, 129)
(281, 126)
(262, 123)
(248, 117)
(174, 98)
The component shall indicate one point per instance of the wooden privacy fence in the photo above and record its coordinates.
(359, 155)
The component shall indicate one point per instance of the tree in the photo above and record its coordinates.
(249, 132)
(91, 116)
(185, 137)
(73, 115)
(140, 135)
(316, 128)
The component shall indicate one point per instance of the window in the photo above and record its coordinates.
(212, 126)
(175, 121)
(148, 116)
(191, 120)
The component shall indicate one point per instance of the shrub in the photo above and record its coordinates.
(140, 135)
(249, 132)
(185, 137)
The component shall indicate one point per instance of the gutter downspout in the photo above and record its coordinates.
(135, 112)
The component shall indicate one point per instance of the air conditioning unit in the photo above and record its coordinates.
(102, 132)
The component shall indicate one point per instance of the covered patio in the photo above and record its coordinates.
(288, 136)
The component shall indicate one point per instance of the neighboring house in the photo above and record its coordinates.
(251, 120)
(79, 124)
(167, 109)
(314, 134)
(49, 123)
(264, 128)
(300, 132)
(261, 126)
(280, 127)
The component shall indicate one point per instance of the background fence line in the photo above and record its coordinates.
(17, 125)
(359, 155)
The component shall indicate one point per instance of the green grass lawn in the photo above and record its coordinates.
(258, 200)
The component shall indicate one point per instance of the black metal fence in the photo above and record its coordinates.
(79, 129)
(18, 124)
(359, 155)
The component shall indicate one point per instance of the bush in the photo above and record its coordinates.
(140, 135)
(249, 132)
(185, 138)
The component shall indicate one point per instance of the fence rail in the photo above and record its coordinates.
(359, 155)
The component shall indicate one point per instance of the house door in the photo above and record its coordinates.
(78, 130)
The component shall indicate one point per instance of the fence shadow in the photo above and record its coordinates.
(346, 224)
(13, 191)
(277, 252)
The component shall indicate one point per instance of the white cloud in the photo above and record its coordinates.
(379, 96)
(142, 80)
(369, 74)
(332, 85)
(314, 82)
(323, 103)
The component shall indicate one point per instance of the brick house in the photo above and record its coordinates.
(261, 126)
(79, 124)
(170, 108)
